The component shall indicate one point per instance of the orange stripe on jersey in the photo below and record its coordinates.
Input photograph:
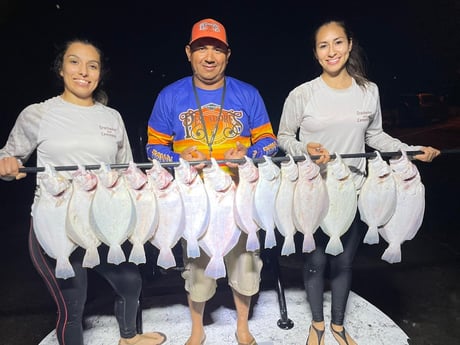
(217, 151)
(158, 138)
(264, 131)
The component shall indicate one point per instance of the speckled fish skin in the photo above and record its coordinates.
(244, 201)
(171, 215)
(112, 212)
(409, 211)
(377, 198)
(311, 202)
(196, 205)
(146, 209)
(264, 199)
(78, 225)
(222, 233)
(49, 214)
(284, 202)
(343, 204)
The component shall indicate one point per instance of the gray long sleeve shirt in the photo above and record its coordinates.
(342, 120)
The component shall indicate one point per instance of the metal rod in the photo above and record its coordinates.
(148, 165)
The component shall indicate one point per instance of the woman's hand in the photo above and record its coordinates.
(316, 149)
(429, 153)
(9, 167)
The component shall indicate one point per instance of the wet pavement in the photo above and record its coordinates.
(421, 293)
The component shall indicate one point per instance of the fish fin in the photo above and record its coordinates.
(252, 244)
(137, 255)
(334, 246)
(115, 255)
(288, 246)
(64, 269)
(270, 239)
(309, 244)
(91, 257)
(392, 254)
(372, 235)
(193, 250)
(232, 242)
(166, 258)
(216, 267)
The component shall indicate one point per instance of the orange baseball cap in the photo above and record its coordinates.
(209, 28)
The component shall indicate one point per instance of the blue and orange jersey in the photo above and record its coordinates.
(176, 121)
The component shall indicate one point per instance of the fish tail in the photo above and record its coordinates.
(309, 244)
(91, 257)
(372, 236)
(334, 246)
(270, 239)
(64, 269)
(216, 268)
(252, 243)
(115, 255)
(288, 246)
(137, 255)
(166, 258)
(392, 254)
(193, 250)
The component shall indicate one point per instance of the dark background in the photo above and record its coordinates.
(411, 46)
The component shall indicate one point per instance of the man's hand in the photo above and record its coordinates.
(192, 154)
(235, 153)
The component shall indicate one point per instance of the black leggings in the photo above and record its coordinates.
(70, 294)
(340, 272)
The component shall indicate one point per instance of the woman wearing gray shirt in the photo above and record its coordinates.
(337, 112)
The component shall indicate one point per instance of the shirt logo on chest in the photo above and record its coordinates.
(226, 126)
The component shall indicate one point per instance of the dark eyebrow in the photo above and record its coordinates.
(90, 61)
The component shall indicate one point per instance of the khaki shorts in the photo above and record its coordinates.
(243, 272)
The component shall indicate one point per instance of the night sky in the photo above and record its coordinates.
(410, 46)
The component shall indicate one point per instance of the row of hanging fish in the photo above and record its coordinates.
(112, 206)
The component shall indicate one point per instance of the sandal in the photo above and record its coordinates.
(319, 335)
(342, 335)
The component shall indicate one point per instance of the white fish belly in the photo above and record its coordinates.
(49, 221)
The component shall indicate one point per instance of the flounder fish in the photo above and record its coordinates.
(284, 202)
(410, 208)
(196, 205)
(343, 204)
(311, 202)
(222, 233)
(244, 201)
(145, 204)
(264, 199)
(112, 212)
(171, 214)
(49, 212)
(78, 225)
(377, 198)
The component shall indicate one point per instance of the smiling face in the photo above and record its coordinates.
(332, 49)
(81, 71)
(209, 58)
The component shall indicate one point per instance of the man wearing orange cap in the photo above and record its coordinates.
(209, 115)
